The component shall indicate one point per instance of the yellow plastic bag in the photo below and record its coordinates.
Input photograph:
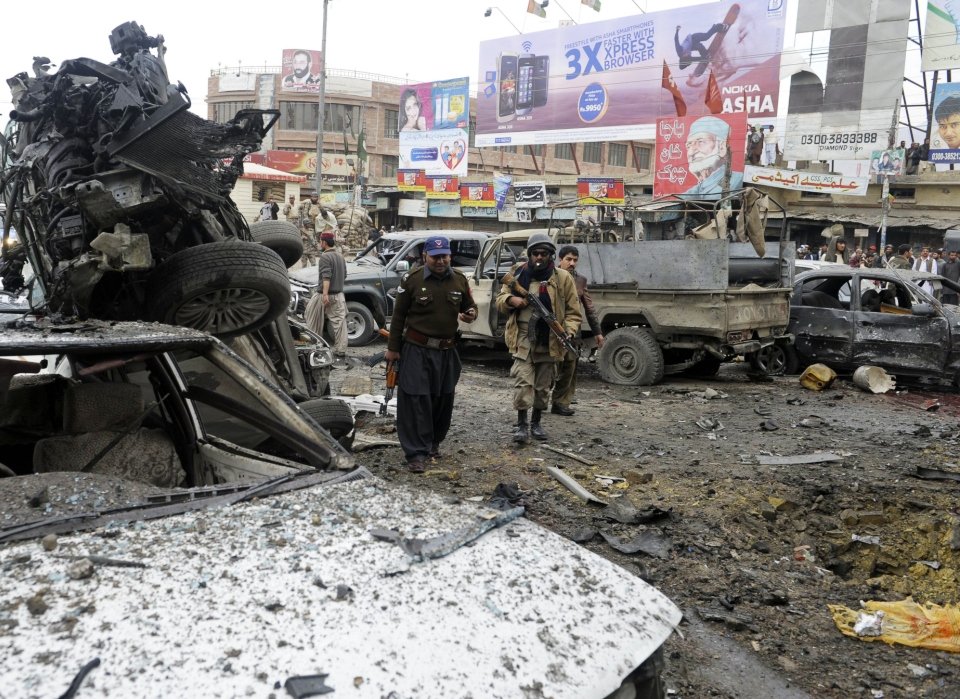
(905, 622)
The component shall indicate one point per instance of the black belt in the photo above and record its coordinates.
(419, 338)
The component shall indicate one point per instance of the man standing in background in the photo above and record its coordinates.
(307, 215)
(328, 305)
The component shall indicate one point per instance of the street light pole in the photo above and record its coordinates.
(322, 99)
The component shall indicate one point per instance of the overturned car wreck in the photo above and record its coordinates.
(120, 196)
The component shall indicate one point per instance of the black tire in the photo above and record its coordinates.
(332, 415)
(775, 360)
(706, 368)
(361, 328)
(280, 236)
(630, 357)
(227, 288)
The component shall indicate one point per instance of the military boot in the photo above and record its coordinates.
(521, 433)
(535, 429)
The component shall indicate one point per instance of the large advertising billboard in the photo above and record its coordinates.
(608, 80)
(700, 157)
(433, 123)
(945, 134)
(941, 36)
(300, 71)
(848, 114)
(800, 181)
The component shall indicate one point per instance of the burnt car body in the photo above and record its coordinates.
(847, 318)
(120, 196)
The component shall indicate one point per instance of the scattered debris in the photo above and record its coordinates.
(874, 379)
(709, 423)
(506, 496)
(567, 454)
(307, 686)
(49, 542)
(817, 377)
(865, 539)
(815, 458)
(649, 542)
(796, 401)
(391, 536)
(583, 535)
(736, 622)
(905, 622)
(623, 511)
(769, 426)
(80, 570)
(935, 474)
(573, 486)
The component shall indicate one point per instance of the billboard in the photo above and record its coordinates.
(600, 190)
(889, 161)
(848, 114)
(477, 194)
(945, 134)
(700, 157)
(433, 126)
(607, 80)
(821, 182)
(300, 71)
(443, 187)
(411, 180)
(529, 195)
(941, 36)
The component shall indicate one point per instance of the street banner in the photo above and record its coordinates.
(700, 157)
(600, 190)
(300, 71)
(335, 167)
(501, 186)
(941, 36)
(477, 194)
(611, 80)
(433, 126)
(887, 162)
(412, 207)
(847, 114)
(945, 134)
(409, 180)
(800, 181)
(443, 187)
(529, 195)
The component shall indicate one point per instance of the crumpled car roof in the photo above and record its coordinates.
(95, 336)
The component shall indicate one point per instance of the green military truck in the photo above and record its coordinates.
(679, 300)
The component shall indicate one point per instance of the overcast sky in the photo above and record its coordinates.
(423, 40)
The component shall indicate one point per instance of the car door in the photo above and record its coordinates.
(820, 322)
(906, 335)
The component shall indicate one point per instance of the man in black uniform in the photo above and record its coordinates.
(423, 331)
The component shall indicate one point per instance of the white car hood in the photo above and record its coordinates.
(236, 599)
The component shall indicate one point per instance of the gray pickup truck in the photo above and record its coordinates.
(666, 306)
(374, 275)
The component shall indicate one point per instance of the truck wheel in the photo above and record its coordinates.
(332, 415)
(280, 236)
(631, 357)
(360, 325)
(775, 360)
(227, 288)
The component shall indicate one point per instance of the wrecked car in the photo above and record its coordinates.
(119, 195)
(846, 318)
(153, 403)
(322, 582)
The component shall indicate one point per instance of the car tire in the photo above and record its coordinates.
(361, 327)
(280, 236)
(775, 360)
(227, 288)
(630, 357)
(334, 416)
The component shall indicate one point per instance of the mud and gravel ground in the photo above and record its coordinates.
(754, 554)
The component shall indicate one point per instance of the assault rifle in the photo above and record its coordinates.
(541, 312)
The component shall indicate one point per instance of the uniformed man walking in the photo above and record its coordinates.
(423, 332)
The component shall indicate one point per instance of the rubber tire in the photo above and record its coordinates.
(360, 319)
(246, 280)
(280, 236)
(706, 368)
(334, 416)
(775, 360)
(630, 357)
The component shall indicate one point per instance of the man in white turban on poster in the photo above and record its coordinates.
(709, 158)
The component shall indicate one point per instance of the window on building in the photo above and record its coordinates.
(302, 116)
(563, 151)
(391, 123)
(341, 117)
(389, 165)
(225, 111)
(593, 152)
(642, 156)
(617, 154)
(538, 151)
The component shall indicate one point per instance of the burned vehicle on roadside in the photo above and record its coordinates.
(120, 196)
(847, 318)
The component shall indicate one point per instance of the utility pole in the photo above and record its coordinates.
(322, 99)
(885, 192)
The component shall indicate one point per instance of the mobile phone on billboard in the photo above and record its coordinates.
(541, 77)
(507, 86)
(525, 83)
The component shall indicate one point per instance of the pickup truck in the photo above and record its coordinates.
(375, 274)
(666, 306)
